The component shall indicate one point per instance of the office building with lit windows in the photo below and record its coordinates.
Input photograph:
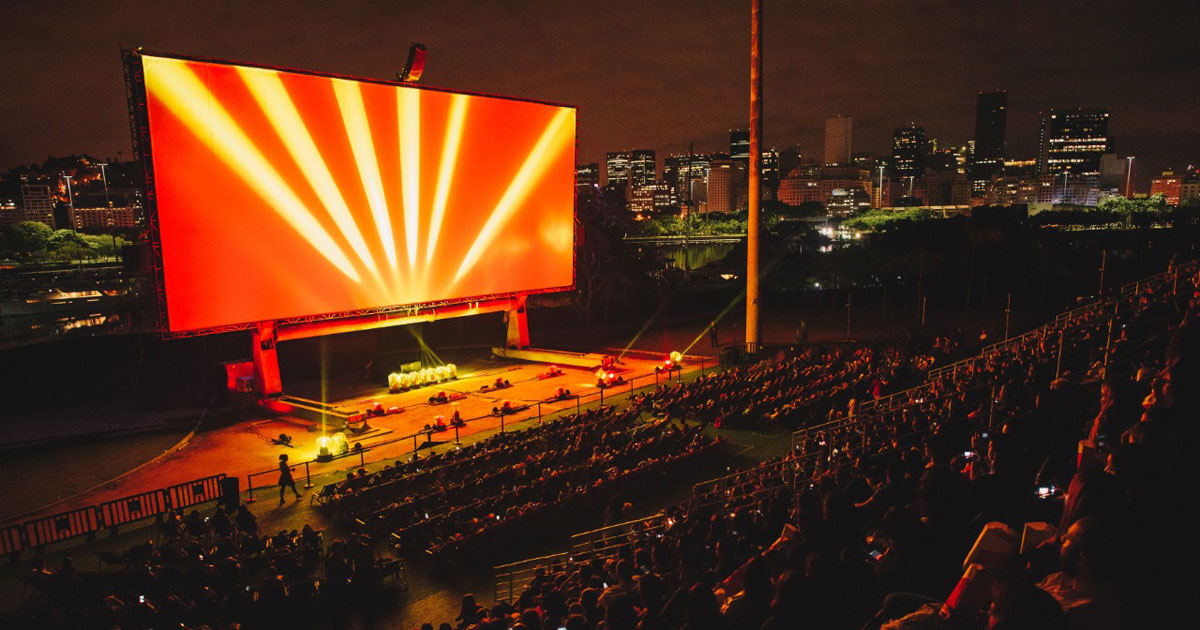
(643, 167)
(909, 146)
(769, 168)
(1169, 185)
(1073, 140)
(616, 169)
(687, 174)
(587, 175)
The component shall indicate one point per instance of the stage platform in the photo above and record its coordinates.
(472, 393)
(241, 449)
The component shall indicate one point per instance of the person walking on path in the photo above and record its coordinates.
(285, 478)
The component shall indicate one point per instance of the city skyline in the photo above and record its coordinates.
(676, 95)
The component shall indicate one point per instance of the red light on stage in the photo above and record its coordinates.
(283, 195)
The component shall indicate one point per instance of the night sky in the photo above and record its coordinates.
(647, 74)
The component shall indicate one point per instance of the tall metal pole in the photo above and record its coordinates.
(104, 176)
(752, 334)
(1103, 260)
(70, 201)
(879, 196)
(1007, 314)
(1128, 173)
(849, 294)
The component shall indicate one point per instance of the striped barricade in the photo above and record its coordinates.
(51, 529)
(195, 492)
(133, 508)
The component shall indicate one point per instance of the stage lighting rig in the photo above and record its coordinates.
(415, 66)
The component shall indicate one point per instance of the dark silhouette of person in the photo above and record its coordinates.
(285, 478)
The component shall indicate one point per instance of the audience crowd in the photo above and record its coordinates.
(213, 571)
(998, 495)
(786, 389)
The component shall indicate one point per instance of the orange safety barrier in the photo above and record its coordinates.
(50, 529)
(195, 492)
(12, 540)
(133, 508)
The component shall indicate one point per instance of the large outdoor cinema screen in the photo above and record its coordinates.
(285, 194)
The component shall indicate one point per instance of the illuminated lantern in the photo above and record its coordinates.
(340, 444)
(323, 454)
(676, 357)
(394, 381)
(452, 369)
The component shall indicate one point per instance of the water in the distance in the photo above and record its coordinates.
(691, 257)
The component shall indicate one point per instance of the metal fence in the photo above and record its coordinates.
(601, 543)
(51, 529)
(86, 521)
(133, 508)
(12, 540)
(195, 492)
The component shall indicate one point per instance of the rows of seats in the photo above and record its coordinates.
(1000, 497)
(783, 390)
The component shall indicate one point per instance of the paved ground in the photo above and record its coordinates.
(242, 446)
(49, 473)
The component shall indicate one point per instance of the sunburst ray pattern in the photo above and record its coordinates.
(365, 194)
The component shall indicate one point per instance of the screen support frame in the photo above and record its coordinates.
(265, 336)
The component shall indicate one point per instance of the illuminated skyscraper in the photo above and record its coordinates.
(770, 168)
(1073, 140)
(643, 167)
(587, 175)
(909, 146)
(687, 173)
(616, 170)
(837, 140)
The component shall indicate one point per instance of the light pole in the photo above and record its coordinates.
(104, 177)
(752, 334)
(1007, 313)
(70, 201)
(108, 207)
(849, 294)
(1128, 174)
(879, 197)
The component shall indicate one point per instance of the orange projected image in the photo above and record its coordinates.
(283, 194)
